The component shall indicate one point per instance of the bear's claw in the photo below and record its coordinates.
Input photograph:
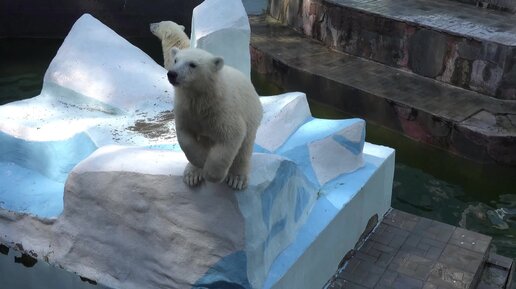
(237, 182)
(192, 175)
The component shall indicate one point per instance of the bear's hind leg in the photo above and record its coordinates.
(194, 148)
(219, 161)
(227, 145)
(238, 173)
(192, 175)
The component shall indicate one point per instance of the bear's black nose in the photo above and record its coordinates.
(172, 77)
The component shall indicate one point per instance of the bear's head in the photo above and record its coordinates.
(166, 29)
(193, 67)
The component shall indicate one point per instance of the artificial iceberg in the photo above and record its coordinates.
(91, 180)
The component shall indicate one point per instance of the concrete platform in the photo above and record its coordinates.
(444, 40)
(464, 122)
(406, 251)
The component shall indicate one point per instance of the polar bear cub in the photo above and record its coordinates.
(171, 35)
(217, 115)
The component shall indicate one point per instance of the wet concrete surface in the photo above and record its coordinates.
(449, 16)
(406, 251)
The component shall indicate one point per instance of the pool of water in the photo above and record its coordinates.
(428, 182)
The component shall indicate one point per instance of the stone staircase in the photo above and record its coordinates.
(440, 39)
(497, 273)
(438, 71)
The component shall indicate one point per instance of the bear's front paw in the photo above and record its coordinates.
(237, 182)
(192, 175)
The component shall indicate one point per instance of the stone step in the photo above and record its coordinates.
(464, 122)
(497, 273)
(445, 40)
(407, 251)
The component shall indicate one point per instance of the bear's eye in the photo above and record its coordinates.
(193, 65)
(175, 60)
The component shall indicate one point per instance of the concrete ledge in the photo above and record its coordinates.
(463, 122)
(443, 40)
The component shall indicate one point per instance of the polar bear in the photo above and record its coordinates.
(171, 35)
(217, 115)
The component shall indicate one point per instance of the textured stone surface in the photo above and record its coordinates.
(498, 273)
(446, 276)
(464, 259)
(412, 265)
(421, 256)
(486, 134)
(461, 121)
(440, 39)
(427, 49)
(395, 280)
(418, 245)
(470, 240)
(362, 272)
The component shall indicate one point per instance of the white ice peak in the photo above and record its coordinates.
(222, 28)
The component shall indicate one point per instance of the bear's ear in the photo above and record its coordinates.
(182, 27)
(174, 51)
(218, 63)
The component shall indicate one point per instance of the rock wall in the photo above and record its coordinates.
(484, 66)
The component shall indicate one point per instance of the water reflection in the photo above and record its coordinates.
(497, 219)
(422, 194)
(20, 271)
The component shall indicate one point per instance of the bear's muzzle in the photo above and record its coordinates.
(172, 77)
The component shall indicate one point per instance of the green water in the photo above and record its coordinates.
(428, 182)
(23, 63)
(25, 273)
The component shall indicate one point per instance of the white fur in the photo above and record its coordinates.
(217, 115)
(171, 35)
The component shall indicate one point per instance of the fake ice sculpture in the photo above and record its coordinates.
(127, 219)
(222, 28)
